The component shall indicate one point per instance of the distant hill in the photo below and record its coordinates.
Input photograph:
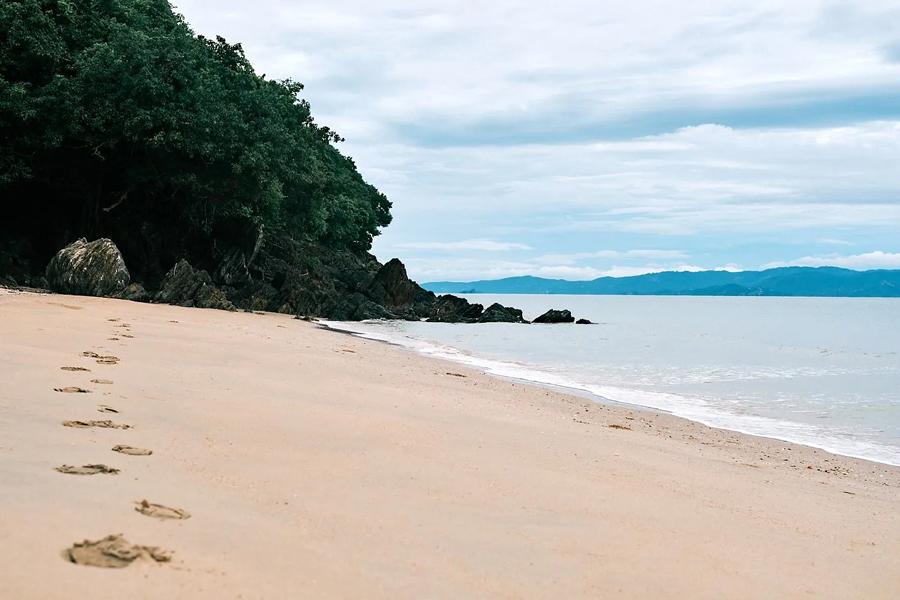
(785, 281)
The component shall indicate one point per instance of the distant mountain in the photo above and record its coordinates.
(785, 281)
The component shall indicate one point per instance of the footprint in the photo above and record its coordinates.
(100, 424)
(87, 470)
(113, 339)
(161, 512)
(101, 381)
(107, 360)
(69, 306)
(75, 369)
(113, 552)
(129, 450)
(125, 335)
(72, 390)
(113, 320)
(106, 409)
(90, 354)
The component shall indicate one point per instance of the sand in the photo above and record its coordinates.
(318, 465)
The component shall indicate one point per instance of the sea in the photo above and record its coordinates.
(824, 372)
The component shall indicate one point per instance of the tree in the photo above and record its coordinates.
(115, 117)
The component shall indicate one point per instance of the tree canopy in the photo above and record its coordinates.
(114, 114)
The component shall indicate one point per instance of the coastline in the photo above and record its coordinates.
(324, 466)
(547, 370)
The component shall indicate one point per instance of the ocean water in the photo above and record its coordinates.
(824, 372)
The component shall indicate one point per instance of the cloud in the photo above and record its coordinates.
(485, 245)
(870, 260)
(418, 69)
(740, 132)
(611, 254)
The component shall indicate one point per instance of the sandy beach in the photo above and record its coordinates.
(297, 462)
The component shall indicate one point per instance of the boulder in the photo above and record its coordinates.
(583, 322)
(555, 316)
(88, 269)
(453, 309)
(391, 287)
(497, 313)
(184, 285)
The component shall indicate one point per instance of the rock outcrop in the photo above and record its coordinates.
(186, 286)
(497, 313)
(357, 307)
(583, 322)
(239, 268)
(246, 239)
(392, 288)
(88, 269)
(453, 309)
(555, 316)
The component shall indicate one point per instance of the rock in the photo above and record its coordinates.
(453, 309)
(583, 322)
(234, 266)
(88, 269)
(555, 316)
(184, 285)
(310, 293)
(497, 313)
(391, 287)
(134, 292)
(357, 307)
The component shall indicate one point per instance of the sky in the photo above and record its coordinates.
(579, 139)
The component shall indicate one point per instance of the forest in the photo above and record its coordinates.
(118, 121)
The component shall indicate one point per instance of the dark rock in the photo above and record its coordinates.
(310, 293)
(357, 307)
(234, 265)
(16, 265)
(184, 285)
(391, 286)
(583, 322)
(254, 296)
(497, 313)
(233, 268)
(134, 292)
(555, 316)
(88, 269)
(453, 309)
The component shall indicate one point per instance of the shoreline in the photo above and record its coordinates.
(330, 466)
(572, 388)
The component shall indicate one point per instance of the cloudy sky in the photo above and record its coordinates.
(575, 139)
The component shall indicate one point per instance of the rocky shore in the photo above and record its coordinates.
(263, 273)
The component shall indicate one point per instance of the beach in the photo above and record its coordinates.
(314, 464)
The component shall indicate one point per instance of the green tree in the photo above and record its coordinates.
(113, 114)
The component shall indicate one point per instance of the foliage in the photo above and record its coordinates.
(113, 113)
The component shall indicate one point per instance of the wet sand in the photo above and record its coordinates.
(267, 458)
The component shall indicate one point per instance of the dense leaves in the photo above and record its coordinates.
(115, 118)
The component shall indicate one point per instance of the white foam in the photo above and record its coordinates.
(694, 408)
